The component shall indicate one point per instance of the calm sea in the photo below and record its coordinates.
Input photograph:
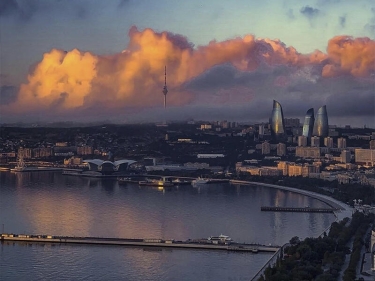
(55, 204)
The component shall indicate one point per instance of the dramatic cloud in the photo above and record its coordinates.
(232, 75)
(349, 55)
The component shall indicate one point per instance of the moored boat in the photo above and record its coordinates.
(200, 180)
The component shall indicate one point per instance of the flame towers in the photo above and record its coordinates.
(308, 125)
(277, 120)
(321, 123)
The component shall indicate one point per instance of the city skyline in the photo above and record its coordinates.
(71, 61)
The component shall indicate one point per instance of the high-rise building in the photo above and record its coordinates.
(281, 149)
(321, 123)
(302, 141)
(315, 141)
(261, 129)
(266, 147)
(341, 143)
(308, 125)
(328, 142)
(345, 156)
(277, 120)
(372, 144)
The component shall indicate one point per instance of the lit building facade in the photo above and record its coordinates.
(341, 143)
(365, 156)
(321, 123)
(345, 156)
(277, 120)
(328, 142)
(308, 125)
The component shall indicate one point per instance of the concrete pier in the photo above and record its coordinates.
(203, 244)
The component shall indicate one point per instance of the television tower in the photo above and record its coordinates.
(165, 90)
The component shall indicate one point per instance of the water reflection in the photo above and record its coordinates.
(48, 202)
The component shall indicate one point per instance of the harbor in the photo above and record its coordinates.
(221, 242)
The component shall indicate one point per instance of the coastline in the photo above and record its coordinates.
(342, 210)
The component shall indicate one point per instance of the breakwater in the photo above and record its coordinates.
(204, 244)
(295, 209)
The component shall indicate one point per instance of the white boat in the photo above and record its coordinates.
(200, 180)
(220, 239)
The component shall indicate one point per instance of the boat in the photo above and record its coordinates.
(200, 180)
(180, 182)
(155, 183)
(220, 239)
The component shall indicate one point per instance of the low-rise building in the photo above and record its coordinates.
(307, 152)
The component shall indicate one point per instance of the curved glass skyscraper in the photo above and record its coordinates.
(308, 125)
(321, 123)
(277, 120)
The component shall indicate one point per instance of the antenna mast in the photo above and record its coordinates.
(165, 90)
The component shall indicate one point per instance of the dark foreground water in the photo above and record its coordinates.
(53, 204)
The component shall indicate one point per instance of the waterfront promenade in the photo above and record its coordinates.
(341, 211)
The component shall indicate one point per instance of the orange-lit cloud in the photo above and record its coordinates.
(134, 78)
(347, 55)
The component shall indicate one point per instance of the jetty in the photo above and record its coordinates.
(295, 209)
(203, 244)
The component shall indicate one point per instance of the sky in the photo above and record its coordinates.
(93, 60)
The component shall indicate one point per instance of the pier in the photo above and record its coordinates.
(203, 244)
(294, 209)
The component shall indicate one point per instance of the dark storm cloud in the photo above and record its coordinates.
(309, 12)
(362, 105)
(296, 88)
(8, 94)
(226, 76)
